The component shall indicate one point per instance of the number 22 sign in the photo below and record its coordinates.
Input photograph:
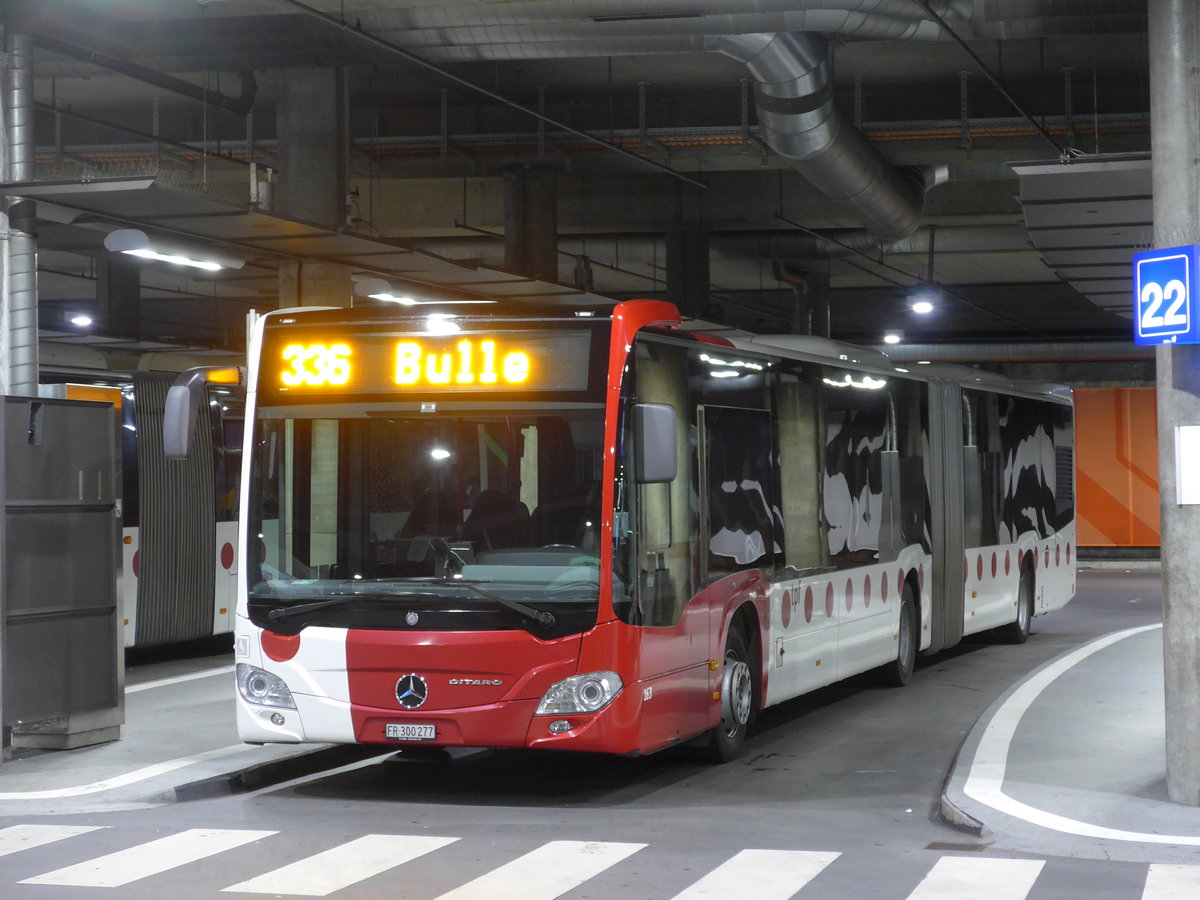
(1164, 296)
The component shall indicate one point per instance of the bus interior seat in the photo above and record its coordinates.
(433, 514)
(497, 521)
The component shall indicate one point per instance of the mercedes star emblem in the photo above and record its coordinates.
(411, 691)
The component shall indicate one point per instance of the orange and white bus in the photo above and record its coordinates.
(608, 532)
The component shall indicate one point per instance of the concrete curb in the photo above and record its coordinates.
(277, 771)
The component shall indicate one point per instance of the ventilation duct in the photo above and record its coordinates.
(794, 94)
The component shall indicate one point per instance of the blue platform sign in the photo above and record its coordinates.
(1166, 296)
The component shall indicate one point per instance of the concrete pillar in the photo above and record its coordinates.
(309, 283)
(1175, 134)
(818, 299)
(313, 147)
(531, 221)
(687, 268)
(119, 298)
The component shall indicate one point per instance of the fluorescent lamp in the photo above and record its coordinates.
(135, 242)
(891, 338)
(81, 319)
(922, 307)
(378, 288)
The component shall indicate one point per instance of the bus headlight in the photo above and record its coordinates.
(581, 694)
(262, 688)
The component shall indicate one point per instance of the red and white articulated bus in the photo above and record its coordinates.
(179, 522)
(609, 533)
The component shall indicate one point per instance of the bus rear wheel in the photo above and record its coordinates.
(1017, 632)
(737, 701)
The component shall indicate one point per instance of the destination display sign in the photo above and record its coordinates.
(297, 363)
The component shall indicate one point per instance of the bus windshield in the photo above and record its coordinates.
(409, 520)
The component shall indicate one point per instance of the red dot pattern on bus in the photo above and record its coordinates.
(1041, 557)
(137, 562)
(280, 647)
(1055, 555)
(227, 556)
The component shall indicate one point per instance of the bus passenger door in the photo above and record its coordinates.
(673, 626)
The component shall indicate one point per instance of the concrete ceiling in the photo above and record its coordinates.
(664, 133)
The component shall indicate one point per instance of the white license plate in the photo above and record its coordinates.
(409, 731)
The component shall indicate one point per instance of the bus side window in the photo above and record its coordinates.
(740, 497)
(801, 456)
(856, 433)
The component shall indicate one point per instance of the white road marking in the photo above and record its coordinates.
(985, 780)
(1167, 882)
(978, 878)
(122, 780)
(767, 874)
(26, 837)
(178, 679)
(154, 858)
(332, 870)
(547, 872)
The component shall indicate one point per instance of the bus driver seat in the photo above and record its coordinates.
(498, 521)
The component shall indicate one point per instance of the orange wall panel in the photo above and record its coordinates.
(1116, 464)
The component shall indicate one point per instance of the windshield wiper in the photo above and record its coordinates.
(286, 612)
(542, 617)
(450, 558)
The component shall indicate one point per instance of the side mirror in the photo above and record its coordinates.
(182, 407)
(654, 431)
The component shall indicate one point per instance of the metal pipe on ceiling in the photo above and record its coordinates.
(240, 105)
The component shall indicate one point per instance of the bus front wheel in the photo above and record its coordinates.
(899, 672)
(737, 701)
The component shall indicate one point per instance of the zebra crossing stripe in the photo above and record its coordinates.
(768, 874)
(340, 867)
(26, 837)
(545, 873)
(153, 858)
(978, 878)
(1167, 882)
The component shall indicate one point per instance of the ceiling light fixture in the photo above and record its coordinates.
(377, 288)
(924, 299)
(81, 319)
(891, 338)
(135, 242)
